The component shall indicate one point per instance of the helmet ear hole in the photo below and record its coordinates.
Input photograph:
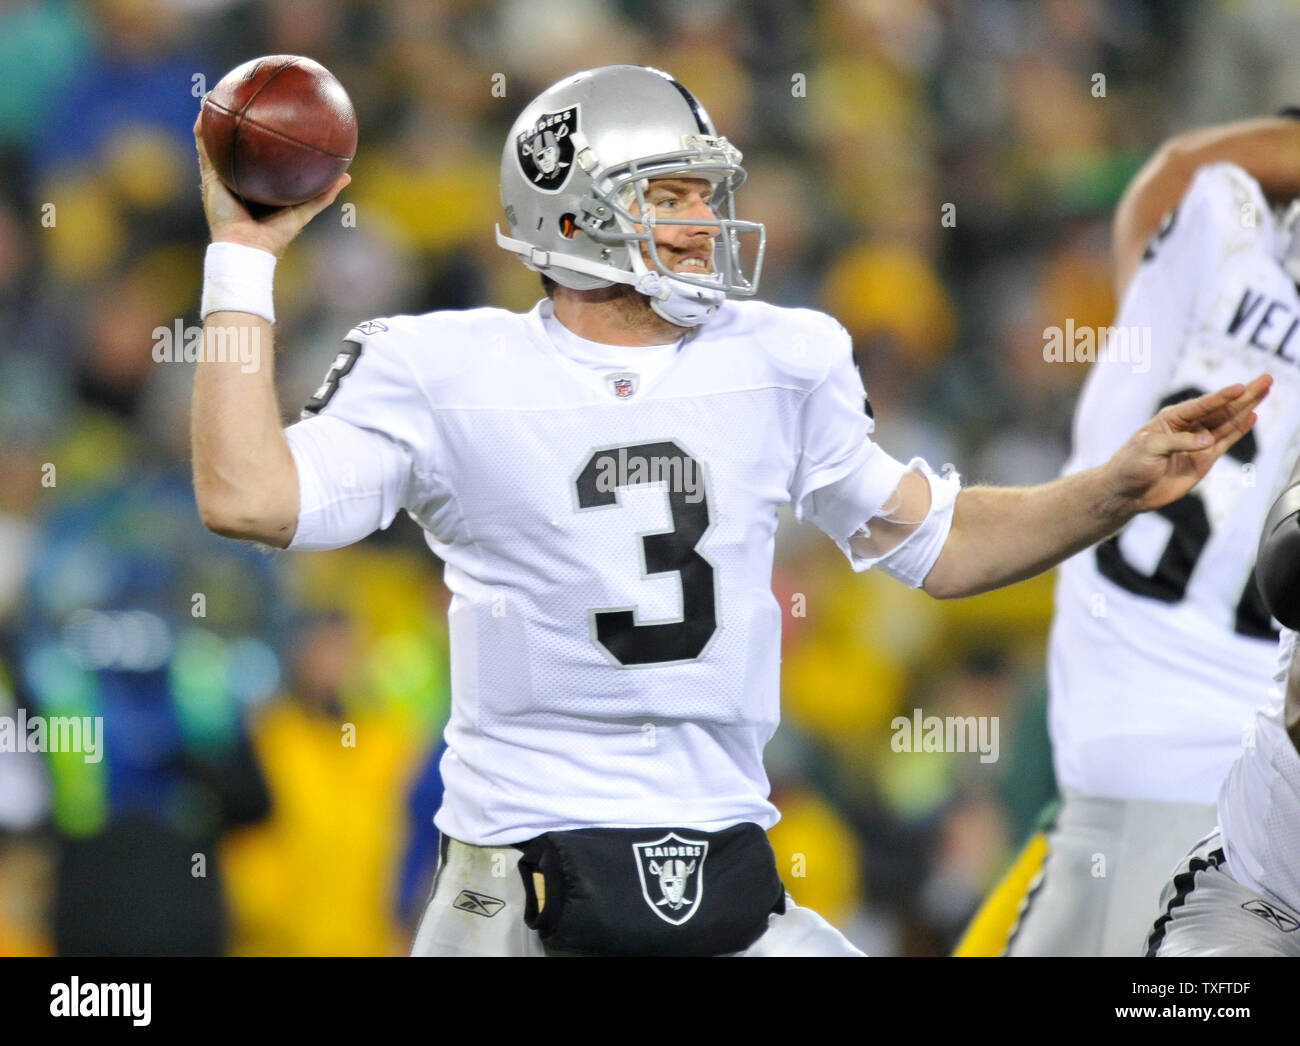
(568, 226)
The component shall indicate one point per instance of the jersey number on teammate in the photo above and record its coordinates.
(1191, 531)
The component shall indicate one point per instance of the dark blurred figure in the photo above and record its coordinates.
(136, 617)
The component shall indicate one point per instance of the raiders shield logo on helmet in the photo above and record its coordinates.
(546, 149)
(672, 875)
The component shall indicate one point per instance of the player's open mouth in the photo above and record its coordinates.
(693, 265)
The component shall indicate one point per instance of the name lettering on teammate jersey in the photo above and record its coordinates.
(672, 875)
(1264, 323)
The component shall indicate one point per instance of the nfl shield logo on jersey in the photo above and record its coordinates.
(622, 385)
(546, 149)
(672, 875)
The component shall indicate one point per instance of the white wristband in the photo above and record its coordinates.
(237, 278)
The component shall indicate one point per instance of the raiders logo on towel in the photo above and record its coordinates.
(672, 875)
(545, 150)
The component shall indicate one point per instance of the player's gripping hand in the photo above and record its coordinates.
(230, 221)
(1168, 455)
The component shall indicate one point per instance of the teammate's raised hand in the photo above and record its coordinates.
(230, 221)
(1168, 455)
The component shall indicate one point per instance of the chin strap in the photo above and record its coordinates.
(677, 302)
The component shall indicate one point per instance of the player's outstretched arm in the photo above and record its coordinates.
(1002, 535)
(1268, 149)
(245, 481)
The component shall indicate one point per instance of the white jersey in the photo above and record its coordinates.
(1259, 804)
(1160, 646)
(608, 540)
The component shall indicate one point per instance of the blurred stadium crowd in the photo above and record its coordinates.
(271, 721)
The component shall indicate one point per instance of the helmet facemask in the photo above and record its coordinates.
(609, 217)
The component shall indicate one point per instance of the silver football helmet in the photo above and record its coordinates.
(578, 160)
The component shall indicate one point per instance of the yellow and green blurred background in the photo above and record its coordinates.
(272, 720)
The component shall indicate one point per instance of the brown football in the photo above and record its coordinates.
(279, 129)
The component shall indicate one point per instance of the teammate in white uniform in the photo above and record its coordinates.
(602, 477)
(1238, 892)
(1160, 647)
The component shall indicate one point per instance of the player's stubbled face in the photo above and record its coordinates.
(683, 248)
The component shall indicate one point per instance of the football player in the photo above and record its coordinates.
(1160, 646)
(601, 476)
(1238, 892)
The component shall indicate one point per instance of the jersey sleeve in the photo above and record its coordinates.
(1223, 211)
(845, 480)
(364, 445)
(835, 427)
